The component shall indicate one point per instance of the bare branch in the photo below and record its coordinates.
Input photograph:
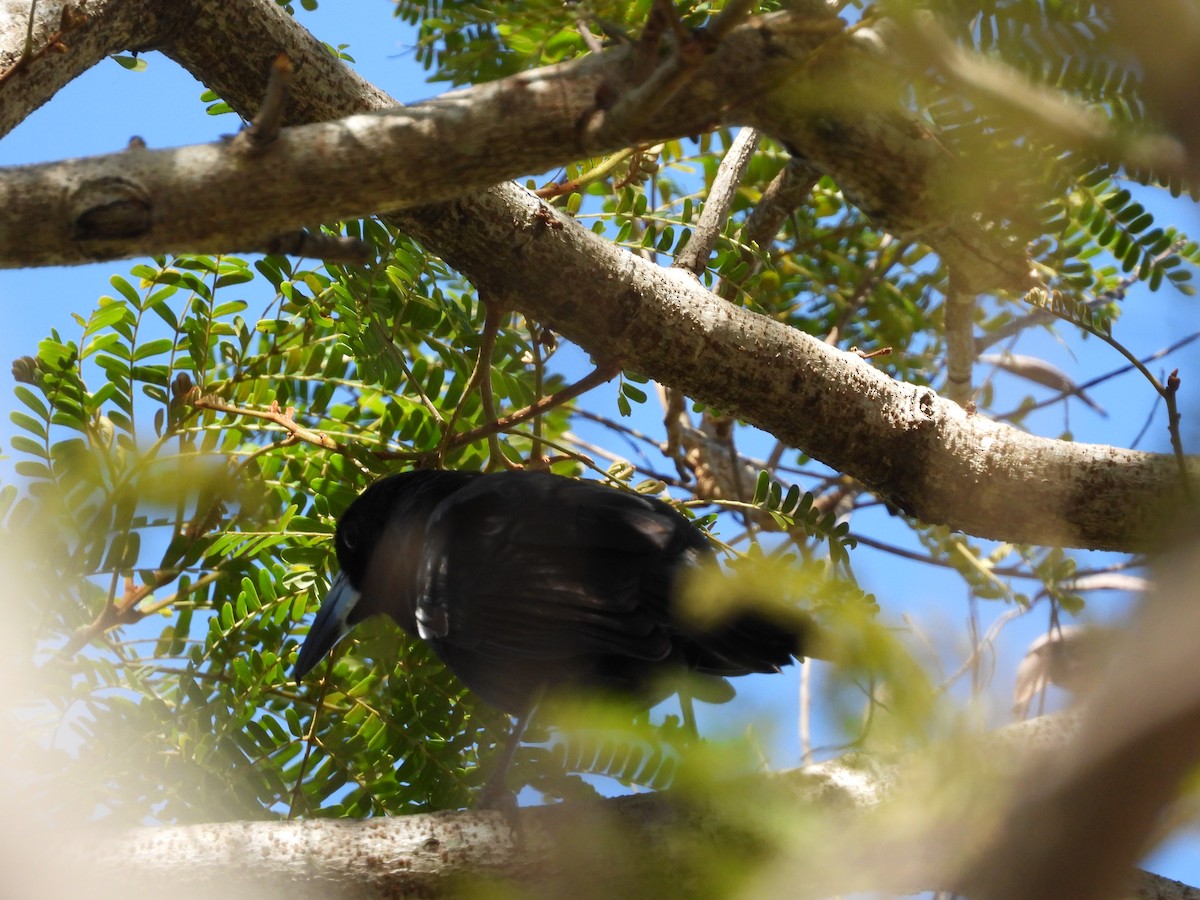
(283, 418)
(714, 215)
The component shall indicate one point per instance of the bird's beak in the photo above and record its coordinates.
(329, 626)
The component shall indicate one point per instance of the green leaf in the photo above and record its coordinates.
(132, 63)
(633, 392)
(31, 400)
(126, 290)
(232, 307)
(165, 313)
(30, 469)
(762, 487)
(57, 355)
(30, 424)
(101, 342)
(152, 348)
(26, 445)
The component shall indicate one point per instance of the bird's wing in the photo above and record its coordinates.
(533, 566)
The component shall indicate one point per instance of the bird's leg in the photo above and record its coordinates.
(688, 710)
(496, 794)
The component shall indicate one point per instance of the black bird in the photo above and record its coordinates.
(523, 581)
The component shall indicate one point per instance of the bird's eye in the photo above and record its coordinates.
(348, 534)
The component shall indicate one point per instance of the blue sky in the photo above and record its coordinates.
(100, 111)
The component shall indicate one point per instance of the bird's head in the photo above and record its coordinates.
(378, 545)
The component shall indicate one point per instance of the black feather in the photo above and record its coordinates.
(525, 581)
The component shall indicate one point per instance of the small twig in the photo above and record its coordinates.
(775, 457)
(1137, 438)
(929, 559)
(589, 40)
(988, 641)
(730, 16)
(642, 166)
(267, 124)
(202, 581)
(632, 434)
(483, 369)
(1098, 333)
(594, 379)
(481, 376)
(1040, 316)
(538, 334)
(787, 190)
(285, 419)
(1099, 379)
(806, 748)
(1170, 395)
(976, 646)
(668, 18)
(723, 433)
(310, 739)
(675, 419)
(125, 611)
(602, 170)
(70, 20)
(388, 344)
(643, 469)
(871, 354)
(717, 206)
(27, 50)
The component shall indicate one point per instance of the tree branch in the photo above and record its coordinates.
(415, 854)
(846, 809)
(717, 206)
(285, 419)
(784, 65)
(924, 455)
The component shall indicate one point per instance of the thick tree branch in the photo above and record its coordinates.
(80, 38)
(924, 454)
(795, 76)
(453, 145)
(850, 812)
(611, 843)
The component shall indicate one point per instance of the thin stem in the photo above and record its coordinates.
(602, 170)
(595, 378)
(284, 419)
(1100, 379)
(481, 377)
(1173, 416)
(310, 740)
(730, 16)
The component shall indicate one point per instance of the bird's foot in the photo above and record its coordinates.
(496, 797)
